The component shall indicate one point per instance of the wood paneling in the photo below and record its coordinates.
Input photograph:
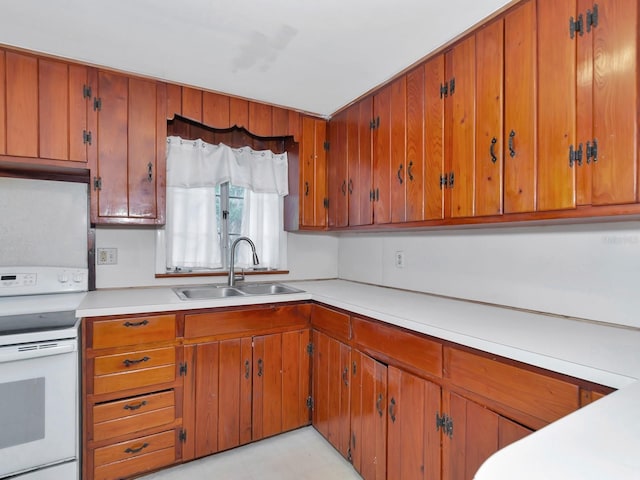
(174, 100)
(192, 103)
(215, 110)
(330, 321)
(239, 112)
(260, 121)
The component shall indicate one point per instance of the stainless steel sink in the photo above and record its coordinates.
(208, 292)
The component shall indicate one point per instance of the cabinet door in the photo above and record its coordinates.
(3, 104)
(364, 180)
(520, 108)
(414, 177)
(280, 383)
(489, 126)
(460, 126)
(413, 450)
(477, 434)
(313, 178)
(556, 105)
(222, 395)
(21, 105)
(382, 156)
(337, 184)
(354, 183)
(398, 119)
(331, 390)
(434, 160)
(63, 101)
(615, 102)
(368, 450)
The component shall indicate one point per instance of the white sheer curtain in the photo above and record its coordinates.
(194, 169)
(262, 215)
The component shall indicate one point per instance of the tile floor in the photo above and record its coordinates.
(299, 455)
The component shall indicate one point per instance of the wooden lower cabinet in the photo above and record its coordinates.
(475, 435)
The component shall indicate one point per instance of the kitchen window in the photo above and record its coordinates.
(214, 195)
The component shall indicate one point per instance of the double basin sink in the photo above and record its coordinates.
(208, 292)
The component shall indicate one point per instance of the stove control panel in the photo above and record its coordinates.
(42, 280)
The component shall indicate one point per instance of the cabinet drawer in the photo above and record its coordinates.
(246, 321)
(535, 394)
(133, 331)
(398, 345)
(133, 414)
(134, 456)
(134, 369)
(332, 322)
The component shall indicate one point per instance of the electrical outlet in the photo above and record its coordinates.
(399, 259)
(107, 256)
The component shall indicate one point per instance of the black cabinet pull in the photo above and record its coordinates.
(492, 152)
(128, 363)
(136, 450)
(345, 376)
(392, 410)
(136, 406)
(409, 173)
(343, 187)
(247, 369)
(150, 172)
(350, 186)
(260, 367)
(400, 174)
(306, 189)
(379, 404)
(136, 324)
(512, 151)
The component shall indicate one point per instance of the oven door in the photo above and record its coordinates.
(38, 392)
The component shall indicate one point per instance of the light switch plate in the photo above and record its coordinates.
(107, 256)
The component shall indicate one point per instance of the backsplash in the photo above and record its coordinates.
(586, 271)
(309, 257)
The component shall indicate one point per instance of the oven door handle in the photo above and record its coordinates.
(26, 351)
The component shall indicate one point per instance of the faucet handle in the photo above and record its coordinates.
(240, 276)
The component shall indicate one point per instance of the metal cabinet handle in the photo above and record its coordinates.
(128, 363)
(150, 172)
(306, 189)
(343, 187)
(247, 369)
(350, 186)
(260, 365)
(136, 406)
(512, 150)
(345, 376)
(392, 410)
(136, 450)
(379, 404)
(399, 174)
(136, 324)
(409, 173)
(492, 152)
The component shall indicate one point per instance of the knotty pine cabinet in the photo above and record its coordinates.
(242, 384)
(314, 201)
(587, 103)
(132, 395)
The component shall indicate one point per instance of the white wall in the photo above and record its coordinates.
(587, 271)
(309, 257)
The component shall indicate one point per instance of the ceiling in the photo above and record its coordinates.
(311, 55)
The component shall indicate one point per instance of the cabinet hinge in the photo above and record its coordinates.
(326, 146)
(372, 124)
(325, 203)
(576, 26)
(451, 178)
(183, 369)
(444, 90)
(575, 156)
(86, 91)
(86, 137)
(225, 214)
(592, 17)
(310, 348)
(443, 181)
(445, 423)
(309, 402)
(97, 104)
(183, 435)
(97, 183)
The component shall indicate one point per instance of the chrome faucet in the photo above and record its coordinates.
(232, 258)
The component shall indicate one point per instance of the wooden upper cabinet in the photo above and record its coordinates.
(21, 104)
(3, 105)
(460, 127)
(313, 177)
(337, 184)
(64, 98)
(415, 146)
(489, 115)
(519, 136)
(612, 45)
(434, 154)
(362, 182)
(398, 144)
(382, 156)
(129, 165)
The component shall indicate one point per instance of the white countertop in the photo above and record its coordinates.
(598, 441)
